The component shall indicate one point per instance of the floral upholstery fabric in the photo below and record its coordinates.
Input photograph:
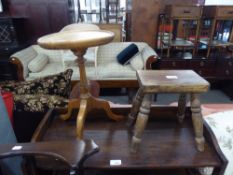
(59, 84)
(40, 94)
(221, 124)
(39, 103)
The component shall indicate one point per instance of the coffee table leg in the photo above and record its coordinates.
(141, 122)
(181, 107)
(197, 121)
(135, 107)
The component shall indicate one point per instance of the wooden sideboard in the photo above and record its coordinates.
(211, 69)
(218, 71)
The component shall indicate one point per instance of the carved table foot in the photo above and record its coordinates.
(97, 103)
(81, 117)
(86, 104)
(74, 103)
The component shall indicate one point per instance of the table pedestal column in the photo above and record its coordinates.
(86, 102)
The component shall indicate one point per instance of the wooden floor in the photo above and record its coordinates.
(166, 144)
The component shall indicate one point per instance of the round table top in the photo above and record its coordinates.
(75, 39)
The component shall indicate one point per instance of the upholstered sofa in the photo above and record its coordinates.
(101, 62)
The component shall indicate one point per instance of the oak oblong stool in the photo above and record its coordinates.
(167, 81)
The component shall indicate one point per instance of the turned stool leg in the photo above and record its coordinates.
(197, 121)
(141, 122)
(135, 107)
(181, 107)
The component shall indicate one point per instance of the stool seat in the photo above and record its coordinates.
(171, 81)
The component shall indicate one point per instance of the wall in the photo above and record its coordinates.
(145, 18)
(47, 16)
(43, 16)
(144, 21)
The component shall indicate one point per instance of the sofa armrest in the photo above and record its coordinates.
(149, 57)
(146, 52)
(21, 60)
(153, 59)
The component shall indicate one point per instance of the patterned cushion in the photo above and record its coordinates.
(59, 84)
(38, 103)
(38, 63)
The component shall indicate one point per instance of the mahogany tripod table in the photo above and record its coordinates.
(78, 42)
(168, 81)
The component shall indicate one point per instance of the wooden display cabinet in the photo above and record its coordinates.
(214, 68)
(181, 13)
(217, 15)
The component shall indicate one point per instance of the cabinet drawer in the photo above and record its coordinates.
(202, 64)
(173, 64)
(205, 72)
(229, 67)
(229, 64)
(183, 11)
(218, 11)
(224, 12)
(225, 67)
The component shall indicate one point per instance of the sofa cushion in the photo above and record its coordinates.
(126, 54)
(38, 63)
(115, 70)
(107, 53)
(58, 84)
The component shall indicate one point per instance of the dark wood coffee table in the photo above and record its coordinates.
(168, 81)
(167, 145)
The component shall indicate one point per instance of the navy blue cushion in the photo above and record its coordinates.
(125, 55)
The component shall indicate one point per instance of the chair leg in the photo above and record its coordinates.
(131, 94)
